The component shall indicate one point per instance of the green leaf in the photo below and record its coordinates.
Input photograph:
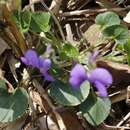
(95, 109)
(127, 49)
(65, 95)
(107, 19)
(69, 51)
(3, 87)
(40, 22)
(117, 32)
(23, 19)
(12, 106)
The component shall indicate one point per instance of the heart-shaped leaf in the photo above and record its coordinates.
(107, 19)
(23, 19)
(64, 94)
(40, 22)
(12, 106)
(95, 109)
(117, 32)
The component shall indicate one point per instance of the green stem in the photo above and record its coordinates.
(55, 19)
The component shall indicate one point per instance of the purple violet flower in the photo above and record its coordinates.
(78, 76)
(100, 77)
(31, 58)
(44, 66)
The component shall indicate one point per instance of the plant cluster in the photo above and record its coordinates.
(72, 77)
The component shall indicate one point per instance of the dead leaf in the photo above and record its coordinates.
(3, 46)
(127, 17)
(70, 120)
(12, 62)
(94, 35)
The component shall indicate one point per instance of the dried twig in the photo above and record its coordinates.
(69, 36)
(31, 5)
(85, 3)
(55, 6)
(128, 95)
(123, 120)
(108, 127)
(91, 11)
(118, 96)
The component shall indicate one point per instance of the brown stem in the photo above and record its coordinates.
(48, 106)
(7, 15)
(11, 43)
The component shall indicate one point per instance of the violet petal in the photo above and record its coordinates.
(47, 64)
(24, 60)
(40, 62)
(78, 76)
(101, 89)
(30, 58)
(48, 77)
(101, 75)
(78, 70)
(44, 63)
(75, 82)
